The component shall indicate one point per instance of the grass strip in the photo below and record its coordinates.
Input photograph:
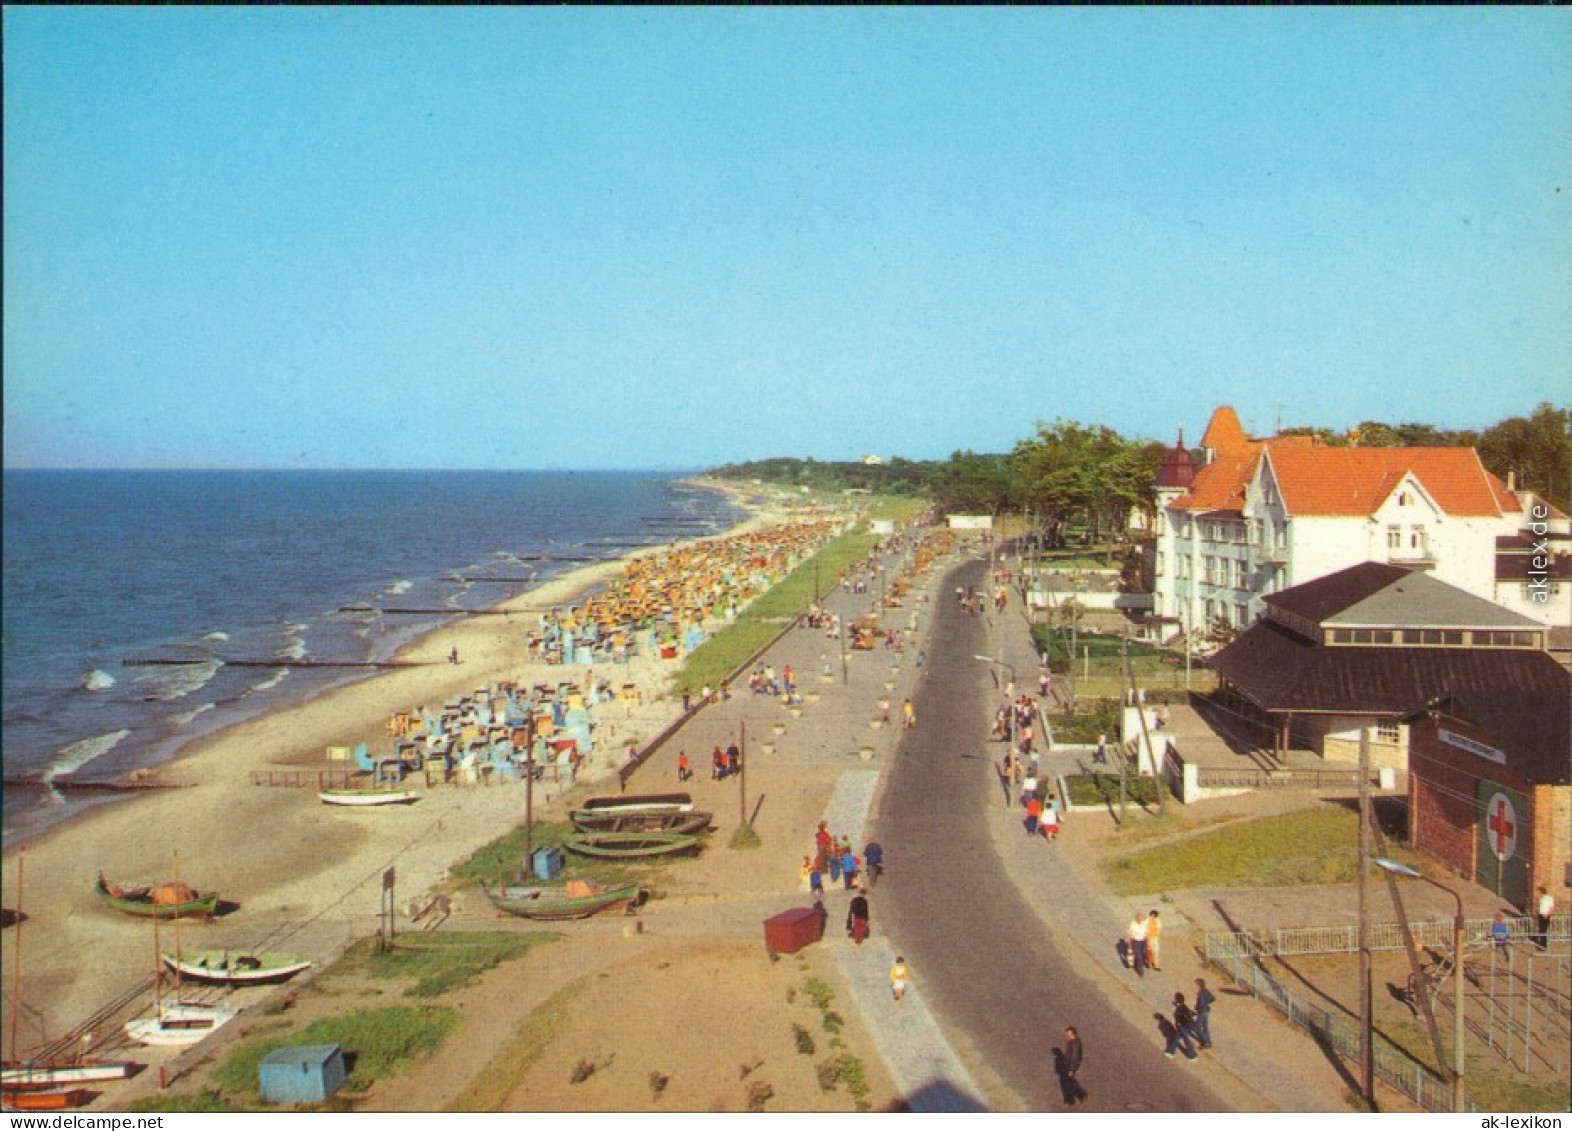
(492, 1085)
(1310, 846)
(439, 962)
(380, 1041)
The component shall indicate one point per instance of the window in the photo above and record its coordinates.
(1394, 537)
(1242, 614)
(1452, 638)
(1416, 538)
(1381, 636)
(1388, 733)
(1342, 636)
(1402, 498)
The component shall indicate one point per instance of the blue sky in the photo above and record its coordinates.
(552, 238)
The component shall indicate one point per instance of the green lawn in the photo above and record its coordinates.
(1310, 846)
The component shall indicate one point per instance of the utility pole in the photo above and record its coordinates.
(742, 774)
(1366, 1001)
(529, 788)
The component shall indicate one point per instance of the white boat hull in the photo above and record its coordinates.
(180, 1023)
(233, 970)
(355, 799)
(48, 1076)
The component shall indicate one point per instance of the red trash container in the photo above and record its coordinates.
(792, 930)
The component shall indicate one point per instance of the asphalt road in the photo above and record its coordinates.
(992, 973)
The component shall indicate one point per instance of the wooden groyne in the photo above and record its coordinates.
(69, 785)
(152, 662)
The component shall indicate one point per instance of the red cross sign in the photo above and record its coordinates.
(1502, 823)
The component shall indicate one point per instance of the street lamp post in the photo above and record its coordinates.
(1400, 869)
(1009, 719)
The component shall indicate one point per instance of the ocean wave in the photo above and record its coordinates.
(175, 681)
(72, 758)
(217, 638)
(271, 681)
(97, 680)
(294, 650)
(403, 585)
(184, 717)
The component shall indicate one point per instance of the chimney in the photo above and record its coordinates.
(1511, 481)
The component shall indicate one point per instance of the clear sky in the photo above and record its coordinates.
(559, 238)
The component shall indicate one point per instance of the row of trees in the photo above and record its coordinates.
(1089, 476)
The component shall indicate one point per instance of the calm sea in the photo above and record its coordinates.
(106, 566)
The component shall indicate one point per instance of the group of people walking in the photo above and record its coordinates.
(1190, 1025)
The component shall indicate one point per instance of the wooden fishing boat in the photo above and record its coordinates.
(47, 1101)
(639, 821)
(561, 902)
(46, 1072)
(640, 802)
(161, 901)
(235, 967)
(630, 846)
(177, 1023)
(365, 797)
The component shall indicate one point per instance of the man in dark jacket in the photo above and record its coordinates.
(1070, 1068)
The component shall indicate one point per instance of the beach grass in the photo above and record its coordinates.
(381, 1041)
(436, 963)
(205, 1102)
(1489, 1088)
(1318, 845)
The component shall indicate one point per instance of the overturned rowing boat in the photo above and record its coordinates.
(573, 900)
(630, 846)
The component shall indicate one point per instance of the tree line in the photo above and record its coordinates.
(1090, 478)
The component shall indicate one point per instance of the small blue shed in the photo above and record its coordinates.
(302, 1074)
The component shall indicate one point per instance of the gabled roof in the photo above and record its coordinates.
(1224, 432)
(1354, 482)
(1376, 595)
(1530, 728)
(1220, 485)
(1279, 670)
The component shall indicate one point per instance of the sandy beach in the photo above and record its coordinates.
(306, 877)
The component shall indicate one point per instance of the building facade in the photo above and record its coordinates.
(1260, 516)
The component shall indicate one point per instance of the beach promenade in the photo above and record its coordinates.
(830, 757)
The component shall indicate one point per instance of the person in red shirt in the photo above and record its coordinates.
(1034, 811)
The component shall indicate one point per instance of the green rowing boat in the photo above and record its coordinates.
(161, 901)
(556, 902)
(630, 846)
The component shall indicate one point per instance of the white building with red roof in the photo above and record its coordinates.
(1260, 516)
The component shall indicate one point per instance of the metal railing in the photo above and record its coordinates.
(1338, 1033)
(1274, 942)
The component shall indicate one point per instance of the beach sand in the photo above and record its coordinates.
(307, 877)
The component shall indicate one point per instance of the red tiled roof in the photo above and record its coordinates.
(1355, 481)
(1223, 431)
(1220, 485)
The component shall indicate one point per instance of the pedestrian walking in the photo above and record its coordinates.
(1203, 1013)
(857, 920)
(1135, 938)
(683, 772)
(1154, 940)
(1544, 910)
(733, 759)
(873, 859)
(836, 855)
(898, 978)
(1068, 1064)
(1034, 810)
(717, 764)
(816, 879)
(1028, 788)
(1500, 933)
(1051, 819)
(1174, 1033)
(849, 868)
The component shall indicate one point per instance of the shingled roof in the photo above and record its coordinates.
(1377, 595)
(1278, 670)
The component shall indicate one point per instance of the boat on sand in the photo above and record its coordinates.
(640, 821)
(224, 967)
(159, 901)
(368, 797)
(630, 846)
(573, 900)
